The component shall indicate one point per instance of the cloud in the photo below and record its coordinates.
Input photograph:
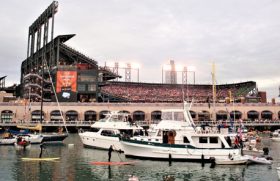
(241, 37)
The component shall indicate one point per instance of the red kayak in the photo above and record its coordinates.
(112, 163)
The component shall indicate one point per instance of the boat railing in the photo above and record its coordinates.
(207, 130)
(49, 123)
(237, 122)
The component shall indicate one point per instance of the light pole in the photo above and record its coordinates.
(179, 68)
(127, 67)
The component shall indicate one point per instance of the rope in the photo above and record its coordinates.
(64, 122)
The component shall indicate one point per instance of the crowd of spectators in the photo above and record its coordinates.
(146, 92)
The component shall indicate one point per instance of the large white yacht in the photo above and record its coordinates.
(107, 131)
(177, 138)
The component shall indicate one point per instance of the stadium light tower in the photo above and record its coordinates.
(192, 69)
(179, 68)
(127, 67)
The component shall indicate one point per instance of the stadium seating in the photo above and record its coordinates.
(147, 92)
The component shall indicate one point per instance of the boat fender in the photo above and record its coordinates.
(269, 158)
(265, 151)
(202, 160)
(213, 162)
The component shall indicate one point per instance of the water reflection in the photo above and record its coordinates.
(74, 164)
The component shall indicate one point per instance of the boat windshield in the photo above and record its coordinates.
(175, 116)
(114, 118)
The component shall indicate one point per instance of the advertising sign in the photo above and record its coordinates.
(66, 86)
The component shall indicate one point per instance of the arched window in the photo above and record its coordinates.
(266, 115)
(221, 115)
(156, 115)
(252, 115)
(56, 116)
(235, 114)
(36, 116)
(102, 114)
(90, 116)
(138, 116)
(203, 116)
(193, 114)
(71, 115)
(7, 116)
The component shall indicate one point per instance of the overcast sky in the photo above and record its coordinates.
(241, 37)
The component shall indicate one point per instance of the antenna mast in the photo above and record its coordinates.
(214, 87)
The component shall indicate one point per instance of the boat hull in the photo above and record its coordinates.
(231, 162)
(7, 141)
(95, 140)
(22, 147)
(158, 151)
(32, 138)
(54, 137)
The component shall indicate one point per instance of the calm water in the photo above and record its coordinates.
(75, 165)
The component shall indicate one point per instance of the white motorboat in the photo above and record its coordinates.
(32, 138)
(232, 160)
(176, 139)
(8, 141)
(106, 131)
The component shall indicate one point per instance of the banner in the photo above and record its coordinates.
(66, 85)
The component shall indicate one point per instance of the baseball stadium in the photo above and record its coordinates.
(54, 73)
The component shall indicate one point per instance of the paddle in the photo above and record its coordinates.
(118, 153)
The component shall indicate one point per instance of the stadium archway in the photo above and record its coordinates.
(90, 116)
(71, 115)
(156, 115)
(36, 116)
(252, 115)
(7, 116)
(235, 114)
(56, 116)
(221, 115)
(102, 114)
(266, 115)
(203, 116)
(193, 114)
(138, 116)
(124, 111)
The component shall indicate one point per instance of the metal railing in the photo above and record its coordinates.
(141, 123)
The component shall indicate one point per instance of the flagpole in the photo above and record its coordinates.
(214, 89)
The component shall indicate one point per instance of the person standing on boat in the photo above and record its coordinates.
(236, 142)
(130, 120)
(110, 153)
